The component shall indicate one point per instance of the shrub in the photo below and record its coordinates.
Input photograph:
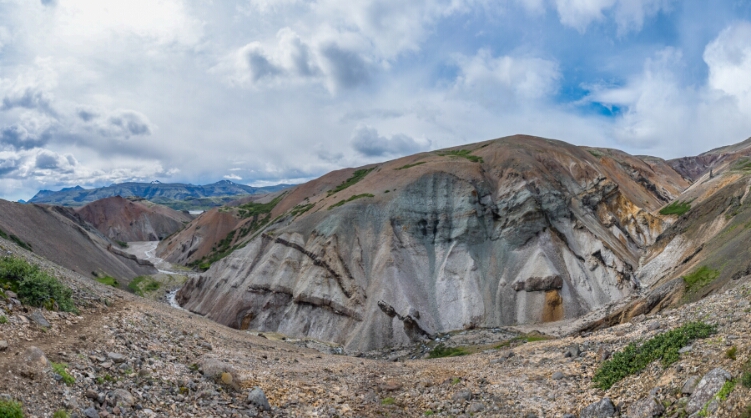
(355, 197)
(35, 287)
(300, 209)
(699, 278)
(404, 167)
(143, 284)
(60, 413)
(3, 319)
(635, 358)
(11, 409)
(442, 351)
(388, 401)
(356, 177)
(676, 208)
(730, 353)
(108, 280)
(463, 153)
(60, 368)
(122, 244)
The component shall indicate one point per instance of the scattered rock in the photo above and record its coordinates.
(557, 376)
(3, 345)
(258, 398)
(90, 413)
(462, 395)
(646, 408)
(602, 409)
(476, 407)
(38, 318)
(573, 351)
(690, 385)
(117, 358)
(707, 388)
(122, 397)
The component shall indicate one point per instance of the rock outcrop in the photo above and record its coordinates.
(123, 220)
(512, 231)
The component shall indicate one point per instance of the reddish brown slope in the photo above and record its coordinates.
(123, 220)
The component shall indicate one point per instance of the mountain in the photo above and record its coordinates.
(511, 231)
(123, 220)
(175, 195)
(60, 235)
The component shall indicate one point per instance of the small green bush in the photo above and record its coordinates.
(441, 351)
(356, 177)
(355, 197)
(404, 167)
(108, 280)
(635, 358)
(11, 409)
(730, 353)
(300, 209)
(60, 368)
(676, 208)
(143, 284)
(35, 287)
(3, 319)
(388, 401)
(699, 278)
(122, 244)
(60, 413)
(463, 153)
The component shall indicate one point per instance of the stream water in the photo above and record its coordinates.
(146, 250)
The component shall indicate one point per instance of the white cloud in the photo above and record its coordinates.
(628, 15)
(233, 177)
(729, 61)
(368, 142)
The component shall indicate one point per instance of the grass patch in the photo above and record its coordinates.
(462, 153)
(429, 413)
(676, 208)
(404, 167)
(731, 352)
(388, 401)
(11, 409)
(122, 244)
(721, 396)
(107, 378)
(746, 375)
(634, 358)
(21, 243)
(108, 280)
(743, 164)
(355, 197)
(254, 209)
(356, 177)
(60, 413)
(3, 319)
(60, 368)
(441, 351)
(594, 153)
(699, 278)
(35, 287)
(300, 209)
(523, 339)
(143, 284)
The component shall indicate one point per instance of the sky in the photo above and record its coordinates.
(260, 92)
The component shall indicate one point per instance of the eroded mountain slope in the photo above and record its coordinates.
(127, 221)
(516, 230)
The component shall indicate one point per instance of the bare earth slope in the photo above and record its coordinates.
(60, 235)
(511, 231)
(123, 220)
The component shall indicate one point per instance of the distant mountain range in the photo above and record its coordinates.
(175, 195)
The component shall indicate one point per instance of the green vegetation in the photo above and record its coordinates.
(429, 413)
(356, 177)
(143, 284)
(463, 153)
(35, 287)
(15, 239)
(388, 401)
(635, 358)
(731, 352)
(722, 395)
(594, 153)
(404, 167)
(746, 412)
(355, 197)
(3, 319)
(61, 413)
(522, 338)
(699, 278)
(108, 280)
(300, 209)
(106, 378)
(11, 409)
(60, 368)
(441, 351)
(743, 164)
(746, 375)
(254, 209)
(676, 208)
(122, 244)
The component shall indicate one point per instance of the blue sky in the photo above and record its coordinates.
(268, 91)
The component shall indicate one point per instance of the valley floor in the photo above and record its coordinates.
(154, 360)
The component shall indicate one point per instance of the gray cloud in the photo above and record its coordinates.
(87, 115)
(8, 165)
(28, 98)
(347, 68)
(19, 137)
(49, 3)
(367, 141)
(126, 123)
(46, 161)
(259, 65)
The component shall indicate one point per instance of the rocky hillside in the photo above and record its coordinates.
(175, 195)
(121, 355)
(62, 236)
(511, 231)
(126, 221)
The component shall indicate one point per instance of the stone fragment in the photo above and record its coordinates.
(690, 385)
(90, 413)
(573, 351)
(122, 397)
(602, 409)
(226, 378)
(707, 388)
(557, 376)
(117, 358)
(258, 398)
(646, 408)
(476, 407)
(3, 345)
(462, 395)
(38, 318)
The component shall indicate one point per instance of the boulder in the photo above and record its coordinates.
(602, 409)
(646, 408)
(258, 398)
(123, 398)
(707, 388)
(38, 318)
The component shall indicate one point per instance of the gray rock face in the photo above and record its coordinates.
(258, 398)
(707, 388)
(602, 409)
(646, 408)
(38, 318)
(90, 413)
(690, 385)
(524, 238)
